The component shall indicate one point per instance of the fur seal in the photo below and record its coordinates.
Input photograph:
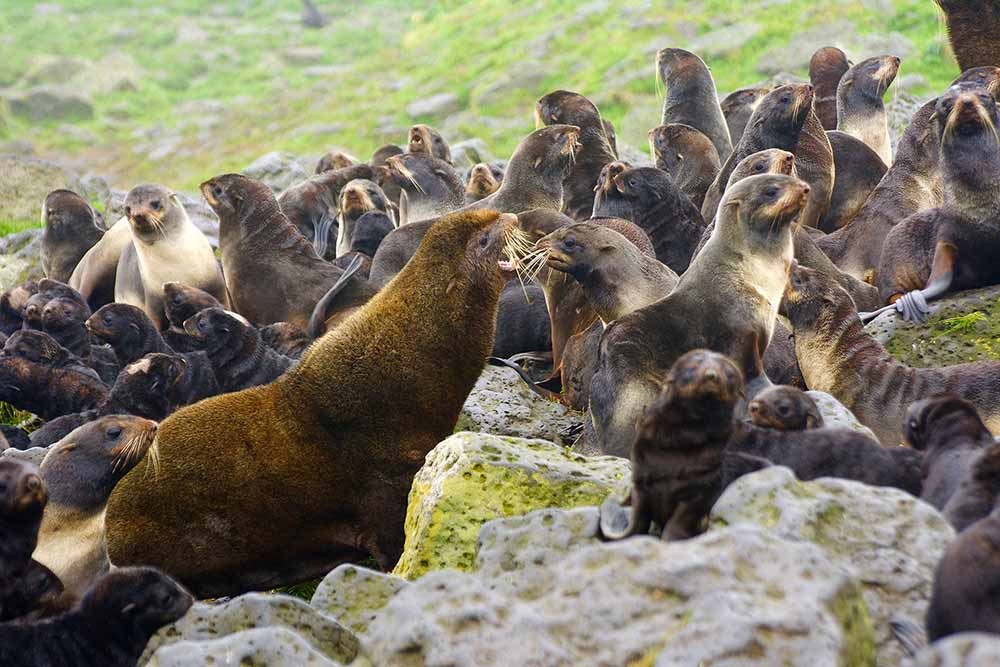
(484, 180)
(41, 348)
(95, 274)
(691, 97)
(128, 330)
(80, 472)
(265, 257)
(837, 356)
(333, 160)
(425, 140)
(368, 233)
(972, 29)
(951, 436)
(181, 302)
(71, 230)
(738, 106)
(320, 433)
(429, 187)
(286, 339)
(12, 303)
(563, 107)
(860, 111)
(688, 156)
(357, 198)
(109, 628)
(826, 68)
(977, 494)
(608, 201)
(522, 321)
(166, 246)
(784, 408)
(858, 170)
(65, 320)
(738, 276)
(48, 392)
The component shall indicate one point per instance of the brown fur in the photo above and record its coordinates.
(691, 97)
(973, 26)
(826, 68)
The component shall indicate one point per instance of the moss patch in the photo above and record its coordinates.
(859, 637)
(966, 329)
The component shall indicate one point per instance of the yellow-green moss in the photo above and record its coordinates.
(859, 638)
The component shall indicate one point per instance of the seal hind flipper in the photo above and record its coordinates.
(910, 635)
(547, 394)
(614, 525)
(321, 232)
(317, 322)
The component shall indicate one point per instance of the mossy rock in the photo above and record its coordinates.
(354, 595)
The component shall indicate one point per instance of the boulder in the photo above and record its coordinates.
(354, 595)
(50, 103)
(273, 647)
(888, 539)
(836, 415)
(116, 72)
(25, 182)
(278, 170)
(471, 478)
(20, 257)
(724, 41)
(470, 152)
(33, 455)
(208, 622)
(962, 327)
(304, 55)
(502, 404)
(739, 596)
(53, 70)
(435, 105)
(968, 649)
(516, 81)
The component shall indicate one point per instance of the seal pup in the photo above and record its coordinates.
(70, 230)
(48, 290)
(425, 140)
(12, 303)
(738, 106)
(65, 320)
(429, 187)
(181, 302)
(860, 111)
(826, 68)
(522, 321)
(41, 348)
(691, 97)
(837, 356)
(340, 465)
(109, 628)
(484, 179)
(48, 392)
(80, 472)
(972, 29)
(128, 330)
(166, 246)
(784, 408)
(949, 432)
(265, 257)
(738, 277)
(977, 494)
(95, 274)
(563, 107)
(688, 156)
(286, 339)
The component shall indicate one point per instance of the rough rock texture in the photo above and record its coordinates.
(739, 596)
(470, 152)
(968, 649)
(207, 622)
(33, 455)
(46, 103)
(435, 105)
(502, 404)
(354, 595)
(263, 647)
(471, 478)
(836, 415)
(24, 184)
(277, 169)
(961, 328)
(888, 538)
(20, 257)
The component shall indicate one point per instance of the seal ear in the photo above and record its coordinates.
(538, 161)
(128, 609)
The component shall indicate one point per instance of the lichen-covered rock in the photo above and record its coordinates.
(836, 415)
(736, 597)
(25, 182)
(47, 103)
(207, 622)
(472, 478)
(263, 647)
(20, 257)
(507, 547)
(891, 540)
(502, 404)
(435, 105)
(968, 649)
(33, 455)
(961, 328)
(354, 595)
(278, 170)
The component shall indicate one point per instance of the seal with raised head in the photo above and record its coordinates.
(425, 140)
(688, 156)
(166, 246)
(357, 198)
(80, 472)
(860, 111)
(784, 408)
(734, 285)
(340, 466)
(826, 68)
(429, 187)
(738, 106)
(333, 160)
(70, 230)
(858, 170)
(838, 356)
(608, 201)
(691, 97)
(484, 180)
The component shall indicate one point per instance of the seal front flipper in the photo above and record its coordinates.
(913, 305)
(317, 322)
(538, 388)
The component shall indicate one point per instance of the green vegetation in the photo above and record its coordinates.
(251, 59)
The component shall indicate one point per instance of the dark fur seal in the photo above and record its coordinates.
(563, 107)
(429, 187)
(357, 198)
(837, 356)
(12, 303)
(688, 156)
(66, 321)
(110, 628)
(80, 472)
(691, 97)
(784, 408)
(368, 233)
(484, 180)
(522, 321)
(70, 231)
(321, 434)
(265, 257)
(41, 348)
(48, 290)
(234, 347)
(738, 106)
(425, 140)
(858, 170)
(977, 494)
(608, 200)
(951, 436)
(973, 26)
(48, 392)
(860, 111)
(96, 272)
(333, 160)
(286, 339)
(826, 68)
(128, 330)
(738, 277)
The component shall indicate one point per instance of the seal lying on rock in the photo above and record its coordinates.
(784, 408)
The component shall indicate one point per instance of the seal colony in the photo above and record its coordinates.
(248, 421)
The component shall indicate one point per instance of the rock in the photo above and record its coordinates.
(435, 105)
(33, 455)
(278, 170)
(836, 415)
(471, 478)
(47, 103)
(94, 188)
(740, 596)
(517, 80)
(888, 539)
(354, 595)
(206, 622)
(304, 55)
(508, 547)
(466, 154)
(961, 328)
(116, 72)
(273, 647)
(327, 71)
(967, 649)
(502, 404)
(20, 257)
(24, 184)
(202, 216)
(724, 41)
(49, 69)
(633, 155)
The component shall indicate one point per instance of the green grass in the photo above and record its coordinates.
(394, 52)
(14, 226)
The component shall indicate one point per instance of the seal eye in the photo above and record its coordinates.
(107, 320)
(784, 409)
(484, 241)
(758, 167)
(128, 211)
(156, 204)
(217, 190)
(771, 192)
(632, 183)
(114, 432)
(914, 426)
(785, 99)
(569, 242)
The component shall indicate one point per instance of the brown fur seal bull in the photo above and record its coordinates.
(688, 156)
(860, 111)
(312, 470)
(738, 106)
(826, 68)
(837, 356)
(734, 285)
(784, 408)
(973, 26)
(691, 97)
(70, 230)
(266, 260)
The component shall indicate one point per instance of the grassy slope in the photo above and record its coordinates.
(421, 47)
